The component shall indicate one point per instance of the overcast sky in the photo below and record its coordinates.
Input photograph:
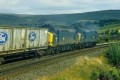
(56, 6)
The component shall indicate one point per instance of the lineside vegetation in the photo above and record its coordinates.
(92, 67)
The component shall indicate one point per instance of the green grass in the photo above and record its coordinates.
(109, 27)
(88, 67)
(113, 54)
(81, 70)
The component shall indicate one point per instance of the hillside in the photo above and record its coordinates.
(34, 20)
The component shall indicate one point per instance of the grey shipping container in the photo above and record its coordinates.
(19, 38)
(5, 40)
(32, 38)
(43, 38)
(36, 38)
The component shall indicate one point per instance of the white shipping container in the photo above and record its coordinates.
(5, 39)
(32, 38)
(43, 38)
(18, 38)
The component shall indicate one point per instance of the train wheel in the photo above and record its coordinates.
(36, 55)
(62, 48)
(1, 60)
(26, 55)
(41, 53)
(71, 48)
(52, 51)
(47, 51)
(79, 46)
(57, 50)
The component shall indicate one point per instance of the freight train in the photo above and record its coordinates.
(24, 42)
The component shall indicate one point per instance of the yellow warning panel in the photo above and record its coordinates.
(50, 39)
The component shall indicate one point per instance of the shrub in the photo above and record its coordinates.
(111, 74)
(113, 54)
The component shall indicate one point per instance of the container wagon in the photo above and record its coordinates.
(18, 42)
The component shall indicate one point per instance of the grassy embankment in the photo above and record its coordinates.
(109, 27)
(82, 69)
(109, 33)
(89, 67)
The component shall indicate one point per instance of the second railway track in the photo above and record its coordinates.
(21, 67)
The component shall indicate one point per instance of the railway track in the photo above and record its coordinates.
(14, 69)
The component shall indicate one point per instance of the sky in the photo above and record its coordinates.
(41, 7)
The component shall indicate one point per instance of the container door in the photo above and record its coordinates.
(43, 38)
(18, 38)
(5, 39)
(32, 40)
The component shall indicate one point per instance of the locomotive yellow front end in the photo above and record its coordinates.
(50, 39)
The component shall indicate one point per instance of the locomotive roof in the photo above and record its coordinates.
(87, 24)
(57, 27)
